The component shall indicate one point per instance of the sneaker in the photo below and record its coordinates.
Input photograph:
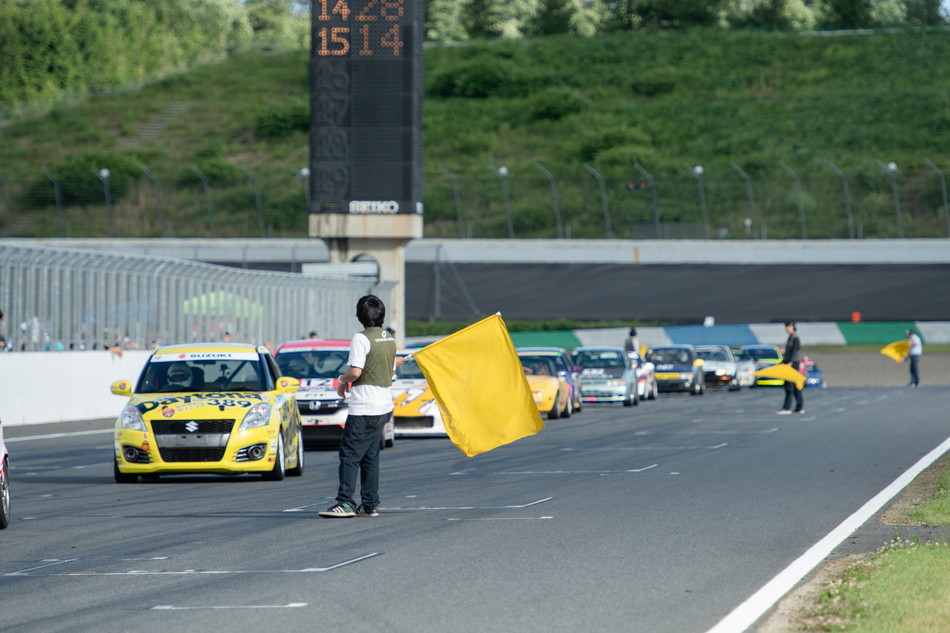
(366, 511)
(800, 411)
(784, 412)
(341, 510)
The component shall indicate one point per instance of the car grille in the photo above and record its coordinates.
(192, 454)
(177, 427)
(209, 453)
(415, 422)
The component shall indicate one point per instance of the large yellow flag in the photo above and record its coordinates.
(480, 387)
(896, 350)
(783, 371)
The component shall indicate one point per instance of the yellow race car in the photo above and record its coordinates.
(551, 391)
(220, 408)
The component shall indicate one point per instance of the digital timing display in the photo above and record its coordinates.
(366, 106)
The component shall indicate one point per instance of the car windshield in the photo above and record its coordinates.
(712, 354)
(409, 370)
(670, 355)
(538, 366)
(206, 376)
(604, 358)
(760, 353)
(319, 363)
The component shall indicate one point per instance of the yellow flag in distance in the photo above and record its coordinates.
(480, 387)
(783, 372)
(896, 351)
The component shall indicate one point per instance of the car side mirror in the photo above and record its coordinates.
(121, 388)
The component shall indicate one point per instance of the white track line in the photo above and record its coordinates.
(746, 614)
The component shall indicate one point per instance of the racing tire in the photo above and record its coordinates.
(4, 496)
(629, 402)
(297, 470)
(121, 477)
(653, 392)
(280, 467)
(555, 411)
(568, 408)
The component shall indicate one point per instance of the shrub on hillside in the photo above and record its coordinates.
(601, 140)
(279, 119)
(555, 103)
(77, 180)
(654, 82)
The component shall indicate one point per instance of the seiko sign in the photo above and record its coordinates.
(374, 206)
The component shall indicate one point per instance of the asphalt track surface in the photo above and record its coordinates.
(678, 293)
(665, 517)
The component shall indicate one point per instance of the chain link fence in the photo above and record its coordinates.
(718, 202)
(70, 299)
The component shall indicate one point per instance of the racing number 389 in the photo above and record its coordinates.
(367, 38)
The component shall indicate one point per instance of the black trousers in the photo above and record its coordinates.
(792, 391)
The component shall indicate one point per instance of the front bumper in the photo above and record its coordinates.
(675, 381)
(217, 451)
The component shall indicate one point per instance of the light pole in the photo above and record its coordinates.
(304, 174)
(891, 170)
(847, 196)
(697, 173)
(603, 199)
(654, 202)
(943, 192)
(502, 174)
(555, 201)
(748, 189)
(798, 195)
(456, 198)
(103, 175)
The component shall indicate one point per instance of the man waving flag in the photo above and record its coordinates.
(480, 387)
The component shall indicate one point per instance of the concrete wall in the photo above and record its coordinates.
(43, 387)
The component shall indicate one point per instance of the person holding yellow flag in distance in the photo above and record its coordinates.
(793, 389)
(914, 349)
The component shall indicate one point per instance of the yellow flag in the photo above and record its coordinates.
(480, 387)
(783, 372)
(896, 350)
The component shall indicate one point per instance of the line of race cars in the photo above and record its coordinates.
(232, 408)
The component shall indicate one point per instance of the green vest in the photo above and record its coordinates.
(379, 362)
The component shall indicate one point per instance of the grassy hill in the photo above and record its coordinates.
(633, 107)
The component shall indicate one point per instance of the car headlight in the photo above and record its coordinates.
(259, 415)
(686, 376)
(538, 395)
(131, 419)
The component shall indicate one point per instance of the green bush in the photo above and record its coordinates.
(78, 181)
(654, 82)
(279, 119)
(556, 103)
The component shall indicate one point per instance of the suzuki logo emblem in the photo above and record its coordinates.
(191, 426)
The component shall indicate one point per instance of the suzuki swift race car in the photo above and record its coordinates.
(417, 414)
(220, 408)
(318, 364)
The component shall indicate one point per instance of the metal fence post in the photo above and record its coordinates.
(456, 198)
(502, 174)
(57, 196)
(798, 195)
(748, 188)
(162, 222)
(847, 196)
(554, 200)
(208, 200)
(259, 202)
(943, 192)
(654, 202)
(603, 199)
(697, 173)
